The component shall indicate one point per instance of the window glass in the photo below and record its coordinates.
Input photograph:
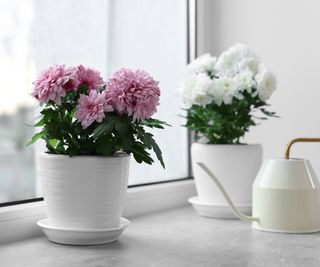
(17, 173)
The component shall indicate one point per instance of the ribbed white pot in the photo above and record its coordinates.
(84, 192)
(236, 166)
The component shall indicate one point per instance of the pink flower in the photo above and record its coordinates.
(53, 83)
(133, 92)
(91, 108)
(90, 77)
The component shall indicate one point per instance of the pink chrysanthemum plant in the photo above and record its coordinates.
(83, 115)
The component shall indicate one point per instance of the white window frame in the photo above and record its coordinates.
(18, 222)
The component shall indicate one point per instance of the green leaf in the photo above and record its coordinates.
(35, 138)
(269, 113)
(40, 122)
(77, 127)
(225, 124)
(51, 113)
(121, 125)
(127, 142)
(140, 154)
(83, 89)
(104, 147)
(50, 148)
(70, 115)
(139, 158)
(105, 127)
(157, 151)
(53, 142)
(56, 145)
(154, 123)
(150, 143)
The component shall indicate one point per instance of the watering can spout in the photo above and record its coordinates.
(235, 211)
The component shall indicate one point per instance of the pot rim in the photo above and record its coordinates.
(243, 145)
(51, 155)
(288, 160)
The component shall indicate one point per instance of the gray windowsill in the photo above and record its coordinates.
(173, 238)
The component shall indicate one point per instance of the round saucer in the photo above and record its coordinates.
(81, 236)
(217, 210)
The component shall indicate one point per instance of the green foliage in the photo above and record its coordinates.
(226, 124)
(63, 134)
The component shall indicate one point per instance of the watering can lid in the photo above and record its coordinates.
(293, 173)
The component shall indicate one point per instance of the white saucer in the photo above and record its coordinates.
(82, 236)
(217, 211)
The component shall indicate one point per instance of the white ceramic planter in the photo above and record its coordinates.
(236, 166)
(84, 192)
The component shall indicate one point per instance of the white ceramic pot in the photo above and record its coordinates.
(236, 166)
(84, 192)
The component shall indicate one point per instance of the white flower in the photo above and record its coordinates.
(235, 59)
(224, 90)
(251, 63)
(195, 90)
(202, 64)
(266, 83)
(236, 71)
(245, 81)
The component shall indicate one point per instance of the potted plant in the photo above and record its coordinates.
(90, 129)
(223, 97)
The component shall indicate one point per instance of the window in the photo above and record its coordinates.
(106, 35)
(17, 172)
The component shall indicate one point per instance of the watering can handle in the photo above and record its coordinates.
(298, 140)
(235, 211)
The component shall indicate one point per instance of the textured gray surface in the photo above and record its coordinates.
(174, 238)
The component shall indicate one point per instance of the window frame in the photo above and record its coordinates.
(18, 218)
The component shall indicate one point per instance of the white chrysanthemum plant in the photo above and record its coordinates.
(222, 95)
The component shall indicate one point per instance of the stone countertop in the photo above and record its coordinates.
(173, 238)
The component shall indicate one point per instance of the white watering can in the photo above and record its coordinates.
(285, 195)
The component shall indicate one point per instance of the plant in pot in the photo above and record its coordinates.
(223, 97)
(90, 128)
